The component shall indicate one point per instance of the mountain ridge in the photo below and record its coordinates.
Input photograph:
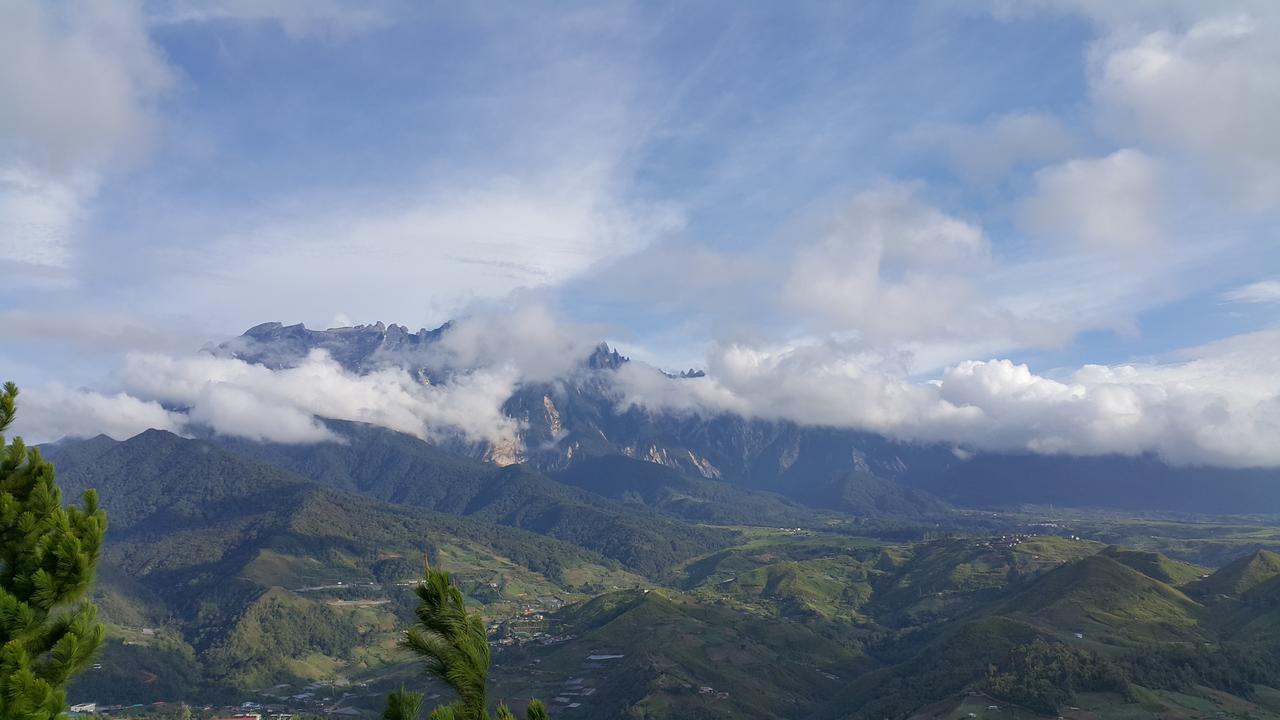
(580, 415)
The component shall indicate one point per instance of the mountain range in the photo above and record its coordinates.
(238, 570)
(634, 563)
(579, 416)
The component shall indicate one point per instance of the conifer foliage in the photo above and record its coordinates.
(48, 553)
(452, 644)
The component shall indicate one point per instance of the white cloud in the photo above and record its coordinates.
(488, 352)
(244, 400)
(1104, 291)
(1217, 405)
(1261, 292)
(287, 405)
(39, 216)
(426, 256)
(818, 384)
(80, 83)
(1111, 204)
(984, 153)
(527, 337)
(1209, 91)
(1214, 405)
(890, 268)
(899, 274)
(55, 411)
(1196, 79)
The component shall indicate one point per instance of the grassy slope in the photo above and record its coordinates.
(948, 664)
(1098, 595)
(674, 646)
(1157, 566)
(1239, 576)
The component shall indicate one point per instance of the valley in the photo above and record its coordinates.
(283, 580)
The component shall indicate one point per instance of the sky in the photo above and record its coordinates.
(1045, 225)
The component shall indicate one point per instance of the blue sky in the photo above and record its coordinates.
(908, 185)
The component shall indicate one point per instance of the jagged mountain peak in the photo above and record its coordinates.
(358, 348)
(605, 358)
(583, 415)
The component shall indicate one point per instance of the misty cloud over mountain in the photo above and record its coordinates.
(277, 383)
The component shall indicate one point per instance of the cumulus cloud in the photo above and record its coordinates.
(890, 267)
(288, 405)
(1207, 91)
(1214, 405)
(1192, 78)
(816, 384)
(1111, 203)
(528, 339)
(56, 411)
(1217, 404)
(237, 398)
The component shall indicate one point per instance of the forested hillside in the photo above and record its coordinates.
(620, 587)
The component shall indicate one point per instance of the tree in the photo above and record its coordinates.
(454, 648)
(48, 553)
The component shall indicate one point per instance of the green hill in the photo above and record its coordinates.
(1253, 616)
(810, 575)
(1238, 577)
(806, 576)
(399, 468)
(938, 580)
(1098, 595)
(952, 661)
(652, 654)
(1156, 566)
(223, 573)
(1132, 629)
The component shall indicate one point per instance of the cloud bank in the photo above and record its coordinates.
(1217, 404)
(1214, 405)
(235, 398)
